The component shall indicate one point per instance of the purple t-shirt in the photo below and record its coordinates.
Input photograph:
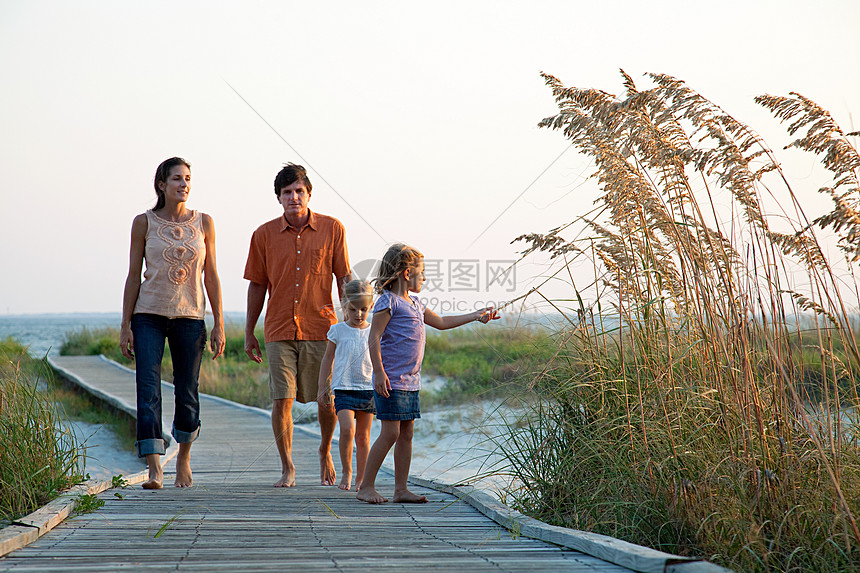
(402, 344)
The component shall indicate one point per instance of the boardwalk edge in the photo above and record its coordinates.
(24, 531)
(623, 553)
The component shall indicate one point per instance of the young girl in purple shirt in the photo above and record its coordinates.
(396, 351)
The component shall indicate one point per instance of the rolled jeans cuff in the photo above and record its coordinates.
(184, 437)
(150, 446)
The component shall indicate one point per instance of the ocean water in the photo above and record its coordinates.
(43, 334)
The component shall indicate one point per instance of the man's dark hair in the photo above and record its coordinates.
(289, 175)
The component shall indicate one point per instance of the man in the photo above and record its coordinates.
(294, 258)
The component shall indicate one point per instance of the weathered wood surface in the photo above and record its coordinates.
(232, 519)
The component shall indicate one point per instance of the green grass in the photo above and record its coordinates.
(92, 342)
(483, 361)
(479, 361)
(38, 458)
(232, 376)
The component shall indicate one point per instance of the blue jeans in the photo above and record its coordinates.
(187, 339)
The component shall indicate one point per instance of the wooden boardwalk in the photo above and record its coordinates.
(232, 519)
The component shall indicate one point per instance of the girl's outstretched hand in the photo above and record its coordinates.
(381, 384)
(485, 315)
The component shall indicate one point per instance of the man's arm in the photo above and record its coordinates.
(340, 282)
(339, 257)
(256, 298)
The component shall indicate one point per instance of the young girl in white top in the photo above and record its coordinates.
(351, 381)
(396, 352)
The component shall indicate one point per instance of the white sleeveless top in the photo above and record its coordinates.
(173, 280)
(352, 367)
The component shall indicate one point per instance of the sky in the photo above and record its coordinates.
(417, 122)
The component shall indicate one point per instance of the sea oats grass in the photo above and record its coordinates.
(39, 455)
(483, 363)
(703, 400)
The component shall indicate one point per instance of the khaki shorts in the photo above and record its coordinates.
(294, 369)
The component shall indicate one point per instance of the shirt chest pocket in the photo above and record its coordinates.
(319, 262)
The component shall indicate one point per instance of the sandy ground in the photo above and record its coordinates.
(105, 454)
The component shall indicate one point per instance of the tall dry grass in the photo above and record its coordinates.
(689, 407)
(39, 454)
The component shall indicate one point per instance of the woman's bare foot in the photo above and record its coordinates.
(370, 495)
(327, 474)
(156, 474)
(152, 483)
(345, 482)
(183, 466)
(406, 496)
(183, 473)
(288, 479)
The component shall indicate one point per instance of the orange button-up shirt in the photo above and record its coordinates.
(297, 266)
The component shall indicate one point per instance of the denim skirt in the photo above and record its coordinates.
(355, 400)
(400, 405)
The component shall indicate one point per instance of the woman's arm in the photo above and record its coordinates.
(323, 388)
(377, 326)
(217, 340)
(484, 315)
(132, 284)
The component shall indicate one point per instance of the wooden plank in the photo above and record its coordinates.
(232, 517)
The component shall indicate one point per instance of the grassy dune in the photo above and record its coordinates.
(38, 458)
(478, 362)
(704, 399)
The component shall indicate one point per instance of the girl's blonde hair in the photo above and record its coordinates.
(396, 259)
(354, 291)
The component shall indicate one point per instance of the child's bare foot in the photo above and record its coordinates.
(183, 473)
(327, 474)
(370, 495)
(345, 482)
(288, 479)
(406, 496)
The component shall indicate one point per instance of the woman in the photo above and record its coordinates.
(179, 248)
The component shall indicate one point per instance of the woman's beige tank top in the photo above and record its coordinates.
(173, 280)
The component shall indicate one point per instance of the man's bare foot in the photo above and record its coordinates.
(407, 496)
(183, 473)
(345, 482)
(327, 474)
(370, 495)
(288, 479)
